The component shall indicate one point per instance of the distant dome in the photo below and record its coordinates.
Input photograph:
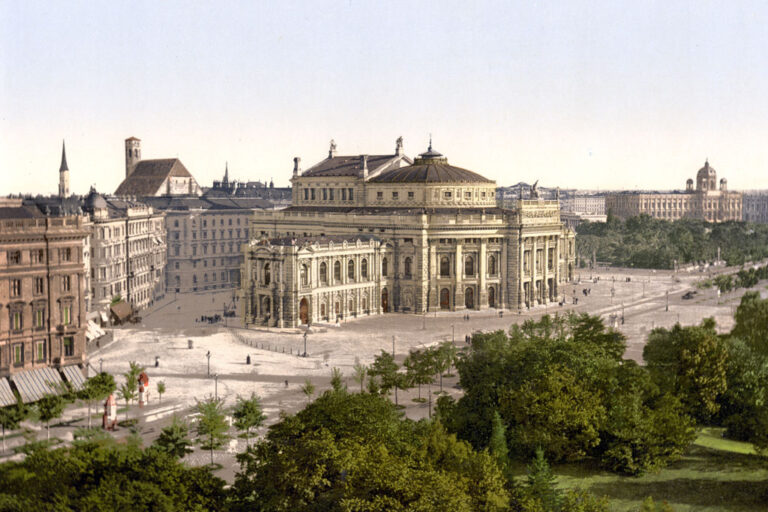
(706, 172)
(94, 201)
(430, 167)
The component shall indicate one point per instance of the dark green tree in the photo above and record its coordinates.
(174, 439)
(11, 416)
(386, 370)
(96, 388)
(211, 425)
(49, 408)
(497, 446)
(541, 483)
(248, 414)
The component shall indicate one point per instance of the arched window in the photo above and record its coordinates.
(323, 273)
(337, 271)
(304, 275)
(492, 265)
(267, 274)
(364, 269)
(351, 270)
(407, 267)
(384, 267)
(469, 266)
(445, 266)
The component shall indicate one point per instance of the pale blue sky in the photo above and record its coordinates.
(576, 94)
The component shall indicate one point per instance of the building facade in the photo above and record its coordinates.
(441, 243)
(756, 206)
(42, 288)
(706, 202)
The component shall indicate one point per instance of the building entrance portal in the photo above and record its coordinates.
(445, 299)
(492, 297)
(304, 311)
(385, 301)
(469, 298)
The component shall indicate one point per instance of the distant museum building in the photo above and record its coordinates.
(373, 234)
(707, 202)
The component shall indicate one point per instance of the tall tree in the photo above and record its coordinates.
(498, 443)
(211, 425)
(248, 414)
(387, 370)
(308, 389)
(360, 371)
(95, 388)
(541, 483)
(174, 439)
(160, 390)
(49, 408)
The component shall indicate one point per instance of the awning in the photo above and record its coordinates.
(104, 317)
(34, 384)
(6, 395)
(74, 376)
(121, 310)
(93, 331)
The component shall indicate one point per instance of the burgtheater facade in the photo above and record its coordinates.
(375, 234)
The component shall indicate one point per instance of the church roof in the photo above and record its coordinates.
(149, 175)
(346, 165)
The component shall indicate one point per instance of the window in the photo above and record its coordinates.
(351, 270)
(325, 194)
(37, 256)
(364, 268)
(447, 194)
(176, 223)
(66, 254)
(66, 314)
(14, 257)
(69, 346)
(467, 195)
(351, 194)
(394, 196)
(39, 318)
(379, 195)
(384, 267)
(205, 223)
(176, 249)
(323, 273)
(229, 222)
(312, 193)
(410, 195)
(306, 194)
(205, 278)
(343, 194)
(267, 275)
(18, 353)
(337, 271)
(492, 265)
(330, 194)
(223, 276)
(304, 273)
(15, 287)
(407, 268)
(176, 265)
(445, 266)
(40, 350)
(17, 322)
(469, 266)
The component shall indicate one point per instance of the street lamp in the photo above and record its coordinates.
(453, 334)
(208, 355)
(101, 364)
(216, 386)
(307, 332)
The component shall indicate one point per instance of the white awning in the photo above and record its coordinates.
(34, 384)
(74, 376)
(6, 395)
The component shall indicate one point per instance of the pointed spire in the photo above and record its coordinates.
(430, 143)
(226, 172)
(63, 158)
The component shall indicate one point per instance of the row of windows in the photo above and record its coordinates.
(469, 266)
(16, 289)
(16, 317)
(329, 194)
(205, 278)
(231, 247)
(37, 256)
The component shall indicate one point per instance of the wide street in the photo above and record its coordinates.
(645, 299)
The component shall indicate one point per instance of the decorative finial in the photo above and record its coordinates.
(430, 143)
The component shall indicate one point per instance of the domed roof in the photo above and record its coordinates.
(430, 167)
(94, 201)
(706, 171)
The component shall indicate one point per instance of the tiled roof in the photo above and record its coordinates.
(346, 165)
(430, 173)
(149, 175)
(19, 212)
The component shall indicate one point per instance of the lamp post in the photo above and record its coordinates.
(101, 365)
(453, 334)
(216, 386)
(307, 332)
(208, 355)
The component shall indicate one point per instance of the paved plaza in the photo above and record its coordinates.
(646, 299)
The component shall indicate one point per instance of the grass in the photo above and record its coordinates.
(715, 475)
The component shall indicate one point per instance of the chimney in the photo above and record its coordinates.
(296, 166)
(364, 166)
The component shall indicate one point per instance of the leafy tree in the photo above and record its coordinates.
(104, 475)
(160, 390)
(689, 362)
(751, 322)
(174, 439)
(497, 446)
(360, 371)
(308, 389)
(420, 366)
(337, 381)
(12, 416)
(386, 370)
(50, 407)
(127, 393)
(96, 388)
(248, 414)
(211, 425)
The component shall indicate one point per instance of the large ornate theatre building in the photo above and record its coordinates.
(374, 234)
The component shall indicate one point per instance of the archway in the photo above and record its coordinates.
(304, 311)
(469, 298)
(492, 297)
(385, 301)
(445, 298)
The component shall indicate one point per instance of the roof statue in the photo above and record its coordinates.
(332, 149)
(534, 190)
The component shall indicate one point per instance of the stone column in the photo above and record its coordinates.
(434, 268)
(503, 275)
(482, 268)
(534, 262)
(545, 268)
(458, 301)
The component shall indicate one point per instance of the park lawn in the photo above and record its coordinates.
(715, 474)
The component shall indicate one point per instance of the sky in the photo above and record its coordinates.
(576, 94)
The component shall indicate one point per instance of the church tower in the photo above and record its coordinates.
(63, 173)
(132, 154)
